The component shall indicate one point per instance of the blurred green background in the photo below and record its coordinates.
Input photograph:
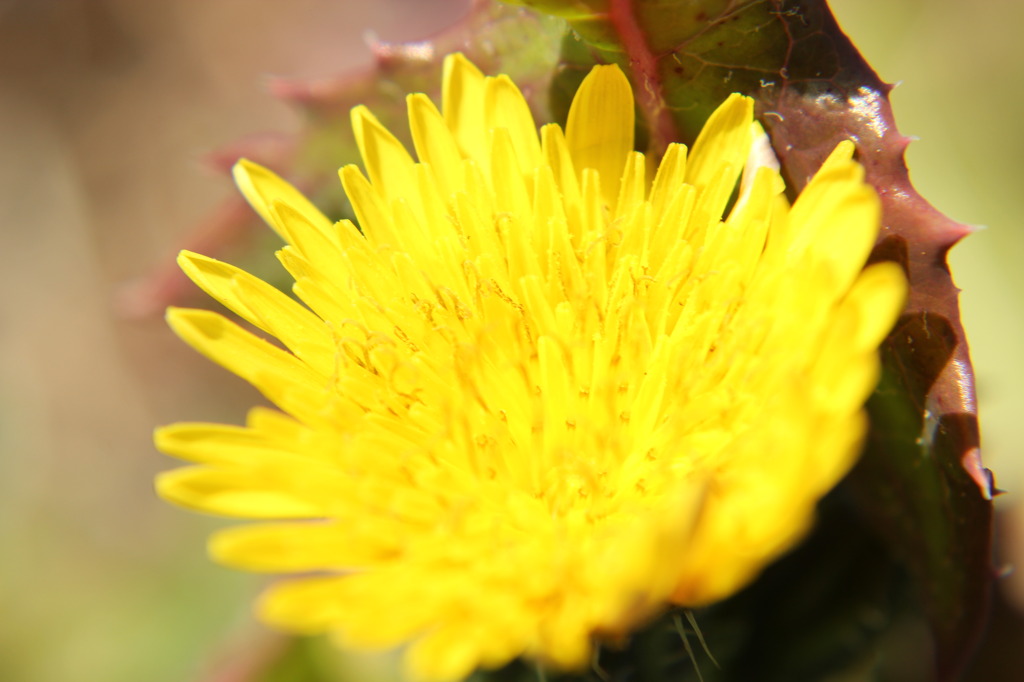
(106, 107)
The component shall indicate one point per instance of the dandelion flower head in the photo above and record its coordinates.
(541, 387)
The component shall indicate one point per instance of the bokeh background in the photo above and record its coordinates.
(107, 109)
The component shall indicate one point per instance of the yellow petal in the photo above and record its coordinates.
(388, 164)
(831, 220)
(434, 143)
(505, 107)
(309, 605)
(506, 174)
(265, 366)
(371, 210)
(872, 296)
(235, 493)
(446, 654)
(219, 444)
(670, 176)
(462, 102)
(298, 547)
(633, 188)
(263, 187)
(723, 143)
(599, 131)
(263, 306)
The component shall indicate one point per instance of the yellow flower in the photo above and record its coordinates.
(535, 397)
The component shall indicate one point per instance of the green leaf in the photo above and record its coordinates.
(297, 659)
